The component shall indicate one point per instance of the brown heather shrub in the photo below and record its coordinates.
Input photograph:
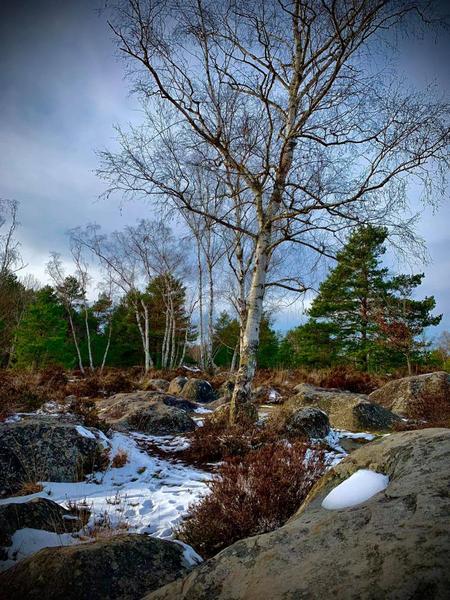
(115, 382)
(86, 410)
(252, 495)
(120, 459)
(29, 487)
(19, 393)
(217, 440)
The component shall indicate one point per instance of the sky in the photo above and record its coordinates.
(62, 89)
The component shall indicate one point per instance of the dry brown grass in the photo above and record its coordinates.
(29, 487)
(120, 459)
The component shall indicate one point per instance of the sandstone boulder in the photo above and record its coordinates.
(309, 421)
(265, 394)
(123, 567)
(394, 545)
(345, 410)
(45, 448)
(149, 412)
(414, 396)
(199, 390)
(176, 385)
(157, 385)
(36, 513)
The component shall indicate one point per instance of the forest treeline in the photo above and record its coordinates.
(362, 315)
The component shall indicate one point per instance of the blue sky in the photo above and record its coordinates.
(61, 91)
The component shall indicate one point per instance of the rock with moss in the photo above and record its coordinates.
(123, 567)
(199, 390)
(346, 410)
(413, 396)
(156, 385)
(46, 448)
(392, 545)
(309, 422)
(176, 385)
(148, 412)
(37, 513)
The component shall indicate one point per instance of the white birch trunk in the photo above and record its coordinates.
(75, 341)
(240, 401)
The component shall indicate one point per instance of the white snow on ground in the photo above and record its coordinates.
(201, 410)
(358, 488)
(147, 495)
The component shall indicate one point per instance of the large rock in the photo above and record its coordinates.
(395, 545)
(345, 410)
(176, 385)
(36, 513)
(412, 396)
(121, 567)
(44, 448)
(309, 421)
(156, 385)
(199, 390)
(149, 412)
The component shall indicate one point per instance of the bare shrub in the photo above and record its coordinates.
(29, 487)
(252, 495)
(120, 459)
(217, 439)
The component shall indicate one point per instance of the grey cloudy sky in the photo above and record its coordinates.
(61, 92)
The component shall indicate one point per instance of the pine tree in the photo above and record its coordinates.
(373, 322)
(42, 335)
(346, 297)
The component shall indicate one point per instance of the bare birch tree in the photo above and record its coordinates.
(286, 96)
(10, 258)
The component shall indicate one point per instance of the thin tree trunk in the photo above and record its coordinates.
(75, 341)
(88, 336)
(240, 402)
(235, 356)
(105, 354)
(200, 305)
(209, 349)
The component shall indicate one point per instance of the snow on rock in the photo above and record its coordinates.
(202, 411)
(358, 488)
(85, 432)
(27, 541)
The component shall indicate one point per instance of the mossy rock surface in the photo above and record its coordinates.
(123, 567)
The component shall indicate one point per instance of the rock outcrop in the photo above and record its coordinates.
(45, 448)
(309, 421)
(395, 545)
(36, 513)
(345, 410)
(199, 390)
(412, 396)
(176, 385)
(120, 568)
(156, 385)
(149, 412)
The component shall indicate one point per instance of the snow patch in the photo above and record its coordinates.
(85, 432)
(358, 488)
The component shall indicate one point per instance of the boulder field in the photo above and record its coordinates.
(345, 410)
(394, 545)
